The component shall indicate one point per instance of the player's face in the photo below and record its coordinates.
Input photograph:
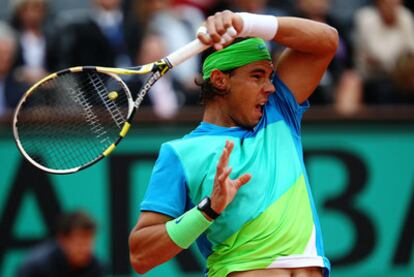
(249, 88)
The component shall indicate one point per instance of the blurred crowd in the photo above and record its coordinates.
(374, 64)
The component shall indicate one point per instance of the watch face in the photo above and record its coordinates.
(203, 202)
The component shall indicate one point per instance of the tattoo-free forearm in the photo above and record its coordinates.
(306, 36)
(150, 246)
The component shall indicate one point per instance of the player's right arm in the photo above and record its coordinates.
(151, 244)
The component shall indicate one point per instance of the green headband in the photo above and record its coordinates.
(236, 55)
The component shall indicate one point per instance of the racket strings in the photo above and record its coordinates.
(110, 105)
(69, 121)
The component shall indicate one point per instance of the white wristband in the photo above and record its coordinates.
(262, 26)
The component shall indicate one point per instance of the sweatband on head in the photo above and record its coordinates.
(236, 55)
(185, 229)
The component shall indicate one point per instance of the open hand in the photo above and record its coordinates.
(225, 189)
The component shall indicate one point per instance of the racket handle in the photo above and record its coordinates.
(196, 47)
(189, 50)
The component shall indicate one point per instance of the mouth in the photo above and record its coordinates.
(259, 109)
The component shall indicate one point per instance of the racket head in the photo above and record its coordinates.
(73, 118)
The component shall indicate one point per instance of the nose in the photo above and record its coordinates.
(269, 87)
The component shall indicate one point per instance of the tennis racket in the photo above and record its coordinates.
(73, 118)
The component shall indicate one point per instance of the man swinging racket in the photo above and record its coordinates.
(248, 206)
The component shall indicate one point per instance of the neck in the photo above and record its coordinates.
(214, 114)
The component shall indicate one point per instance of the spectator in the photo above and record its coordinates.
(287, 5)
(258, 6)
(104, 36)
(68, 254)
(29, 18)
(410, 5)
(384, 32)
(10, 89)
(344, 11)
(162, 97)
(175, 26)
(205, 6)
(403, 76)
(340, 83)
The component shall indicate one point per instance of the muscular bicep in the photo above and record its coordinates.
(310, 47)
(301, 72)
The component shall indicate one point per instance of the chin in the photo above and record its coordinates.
(249, 125)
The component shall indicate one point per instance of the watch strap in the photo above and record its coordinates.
(205, 206)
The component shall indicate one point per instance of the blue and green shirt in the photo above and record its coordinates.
(272, 221)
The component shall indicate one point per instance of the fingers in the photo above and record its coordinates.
(228, 148)
(217, 27)
(239, 182)
(224, 175)
(224, 158)
(203, 36)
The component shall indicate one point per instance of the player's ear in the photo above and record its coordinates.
(219, 79)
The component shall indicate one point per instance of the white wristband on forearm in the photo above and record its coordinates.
(255, 25)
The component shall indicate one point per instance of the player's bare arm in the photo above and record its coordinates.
(310, 47)
(149, 241)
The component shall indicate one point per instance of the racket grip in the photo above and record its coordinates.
(189, 50)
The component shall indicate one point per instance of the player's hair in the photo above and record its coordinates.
(208, 90)
(77, 220)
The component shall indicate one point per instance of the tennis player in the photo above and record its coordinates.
(237, 184)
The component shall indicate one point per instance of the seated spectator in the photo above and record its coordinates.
(10, 89)
(162, 96)
(287, 5)
(339, 83)
(258, 6)
(403, 77)
(175, 26)
(69, 254)
(344, 11)
(410, 5)
(104, 36)
(206, 7)
(384, 32)
(29, 18)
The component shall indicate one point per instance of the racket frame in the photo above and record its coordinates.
(158, 69)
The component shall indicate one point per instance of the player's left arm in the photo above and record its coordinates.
(310, 48)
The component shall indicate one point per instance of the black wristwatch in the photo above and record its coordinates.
(205, 206)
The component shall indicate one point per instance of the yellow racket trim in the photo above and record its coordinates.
(48, 77)
(125, 129)
(76, 69)
(109, 150)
